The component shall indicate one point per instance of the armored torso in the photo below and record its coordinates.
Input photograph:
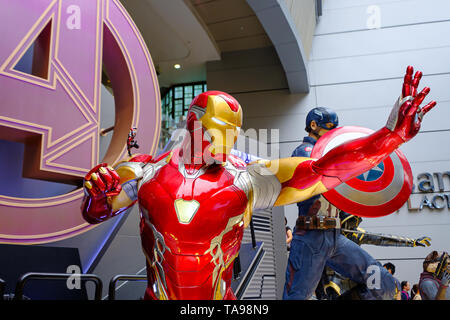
(192, 224)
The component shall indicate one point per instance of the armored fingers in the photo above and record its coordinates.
(110, 191)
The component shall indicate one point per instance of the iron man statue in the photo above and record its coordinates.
(196, 199)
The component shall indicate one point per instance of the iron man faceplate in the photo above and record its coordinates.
(196, 200)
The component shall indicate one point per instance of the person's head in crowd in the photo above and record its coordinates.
(435, 279)
(432, 260)
(405, 286)
(390, 267)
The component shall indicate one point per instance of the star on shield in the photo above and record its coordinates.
(373, 174)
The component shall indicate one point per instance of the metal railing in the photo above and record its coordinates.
(122, 277)
(2, 289)
(252, 231)
(237, 262)
(18, 294)
(261, 287)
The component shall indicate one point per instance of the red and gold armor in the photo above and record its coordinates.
(196, 200)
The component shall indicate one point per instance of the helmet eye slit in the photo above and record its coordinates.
(218, 121)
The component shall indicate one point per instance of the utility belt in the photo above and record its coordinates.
(317, 223)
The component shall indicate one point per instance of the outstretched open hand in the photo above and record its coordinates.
(406, 116)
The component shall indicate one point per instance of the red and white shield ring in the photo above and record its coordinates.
(378, 192)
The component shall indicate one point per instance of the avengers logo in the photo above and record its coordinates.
(55, 108)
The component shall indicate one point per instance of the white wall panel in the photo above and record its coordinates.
(275, 102)
(378, 93)
(344, 4)
(430, 166)
(377, 41)
(345, 16)
(379, 67)
(290, 127)
(428, 146)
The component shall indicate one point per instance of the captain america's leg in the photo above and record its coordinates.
(307, 258)
(353, 262)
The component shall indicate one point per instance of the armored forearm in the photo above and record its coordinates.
(301, 178)
(96, 209)
(354, 157)
(387, 240)
(360, 237)
(110, 191)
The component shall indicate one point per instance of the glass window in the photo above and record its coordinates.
(198, 89)
(178, 92)
(175, 104)
(188, 96)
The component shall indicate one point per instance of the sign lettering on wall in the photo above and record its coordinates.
(430, 192)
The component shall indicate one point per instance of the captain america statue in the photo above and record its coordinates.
(317, 239)
(314, 248)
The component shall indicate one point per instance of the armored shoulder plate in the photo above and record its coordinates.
(265, 186)
(134, 174)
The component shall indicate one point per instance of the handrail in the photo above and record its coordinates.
(237, 268)
(261, 287)
(252, 232)
(2, 289)
(237, 262)
(249, 273)
(121, 277)
(18, 295)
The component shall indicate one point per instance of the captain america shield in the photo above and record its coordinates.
(378, 192)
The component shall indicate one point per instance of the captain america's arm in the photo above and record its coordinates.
(361, 236)
(301, 178)
(110, 191)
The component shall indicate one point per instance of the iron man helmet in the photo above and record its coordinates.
(220, 116)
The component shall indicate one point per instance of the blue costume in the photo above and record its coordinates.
(312, 250)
